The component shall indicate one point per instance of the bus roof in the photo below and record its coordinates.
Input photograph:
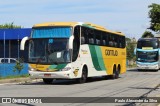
(87, 24)
(144, 39)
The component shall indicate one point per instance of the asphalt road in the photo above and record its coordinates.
(133, 84)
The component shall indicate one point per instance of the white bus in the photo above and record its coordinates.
(148, 54)
(74, 50)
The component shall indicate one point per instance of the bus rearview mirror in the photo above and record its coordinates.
(71, 42)
(23, 41)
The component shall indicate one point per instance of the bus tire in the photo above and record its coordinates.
(47, 80)
(115, 73)
(83, 78)
(118, 71)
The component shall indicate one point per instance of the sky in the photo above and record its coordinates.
(127, 16)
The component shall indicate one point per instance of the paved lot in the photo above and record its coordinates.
(131, 84)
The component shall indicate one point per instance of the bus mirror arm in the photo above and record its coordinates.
(23, 41)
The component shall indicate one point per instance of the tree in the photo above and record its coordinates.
(147, 34)
(9, 25)
(131, 43)
(154, 14)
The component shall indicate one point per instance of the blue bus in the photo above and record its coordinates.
(147, 54)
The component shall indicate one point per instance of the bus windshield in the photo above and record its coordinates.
(49, 51)
(147, 43)
(147, 56)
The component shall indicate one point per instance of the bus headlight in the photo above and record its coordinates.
(138, 65)
(156, 66)
(31, 69)
(66, 69)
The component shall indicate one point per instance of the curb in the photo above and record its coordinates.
(19, 80)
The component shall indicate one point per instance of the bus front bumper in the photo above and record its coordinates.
(54, 75)
(148, 67)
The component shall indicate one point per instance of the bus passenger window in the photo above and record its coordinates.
(82, 40)
(111, 43)
(76, 44)
(104, 42)
(91, 41)
(97, 42)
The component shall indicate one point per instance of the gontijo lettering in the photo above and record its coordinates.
(111, 52)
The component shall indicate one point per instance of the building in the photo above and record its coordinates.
(10, 43)
(10, 50)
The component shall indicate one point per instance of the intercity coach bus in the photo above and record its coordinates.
(147, 54)
(74, 50)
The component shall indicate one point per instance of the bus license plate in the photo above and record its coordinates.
(47, 75)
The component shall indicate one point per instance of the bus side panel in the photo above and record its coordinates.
(114, 56)
(91, 56)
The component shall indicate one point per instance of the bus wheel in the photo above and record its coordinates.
(115, 73)
(47, 80)
(83, 78)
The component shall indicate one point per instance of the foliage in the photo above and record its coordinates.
(147, 34)
(130, 48)
(19, 66)
(9, 25)
(154, 14)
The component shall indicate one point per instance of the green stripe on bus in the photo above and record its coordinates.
(57, 67)
(100, 58)
(52, 66)
(61, 66)
(94, 57)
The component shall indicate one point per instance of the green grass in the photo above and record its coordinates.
(12, 77)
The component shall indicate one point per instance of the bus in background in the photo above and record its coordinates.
(147, 54)
(74, 50)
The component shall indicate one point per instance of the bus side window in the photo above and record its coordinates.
(104, 42)
(111, 42)
(91, 36)
(76, 43)
(83, 35)
(106, 38)
(123, 42)
(103, 39)
(120, 42)
(82, 40)
(97, 41)
(115, 41)
(97, 37)
(91, 41)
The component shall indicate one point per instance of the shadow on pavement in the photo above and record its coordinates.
(136, 70)
(69, 82)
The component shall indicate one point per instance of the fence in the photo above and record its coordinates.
(9, 48)
(7, 69)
